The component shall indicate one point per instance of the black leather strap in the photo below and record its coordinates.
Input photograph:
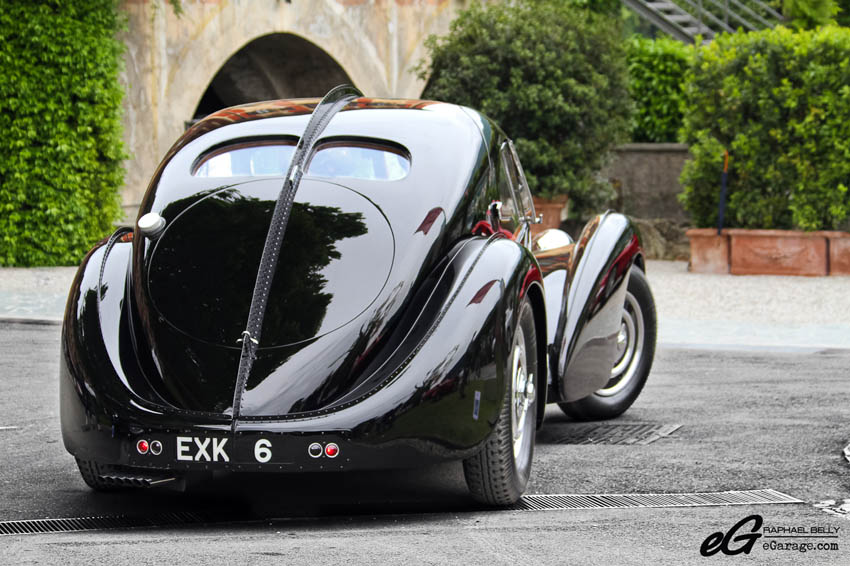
(333, 102)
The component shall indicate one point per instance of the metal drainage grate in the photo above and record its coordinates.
(527, 503)
(626, 501)
(38, 526)
(615, 434)
(835, 508)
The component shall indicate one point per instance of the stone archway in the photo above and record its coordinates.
(219, 53)
(278, 65)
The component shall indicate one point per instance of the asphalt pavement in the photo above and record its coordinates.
(752, 371)
(748, 420)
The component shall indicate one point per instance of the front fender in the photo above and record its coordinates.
(584, 349)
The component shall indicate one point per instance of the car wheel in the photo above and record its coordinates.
(635, 352)
(498, 474)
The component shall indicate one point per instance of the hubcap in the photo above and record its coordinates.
(523, 394)
(630, 340)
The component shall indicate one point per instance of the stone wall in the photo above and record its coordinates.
(646, 176)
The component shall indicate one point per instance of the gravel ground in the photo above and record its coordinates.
(764, 299)
(34, 293)
(694, 309)
(749, 310)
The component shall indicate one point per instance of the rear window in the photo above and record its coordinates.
(338, 159)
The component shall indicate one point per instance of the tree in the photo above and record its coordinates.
(610, 7)
(553, 75)
(843, 16)
(808, 14)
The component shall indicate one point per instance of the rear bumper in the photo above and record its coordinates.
(195, 449)
(93, 432)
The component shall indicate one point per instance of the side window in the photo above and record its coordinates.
(510, 215)
(521, 188)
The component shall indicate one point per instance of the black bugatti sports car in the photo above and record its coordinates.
(344, 284)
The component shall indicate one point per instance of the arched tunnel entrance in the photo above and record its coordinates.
(279, 65)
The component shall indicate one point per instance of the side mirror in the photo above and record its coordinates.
(494, 215)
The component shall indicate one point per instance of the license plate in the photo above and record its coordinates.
(190, 450)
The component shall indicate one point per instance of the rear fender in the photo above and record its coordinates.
(100, 379)
(445, 395)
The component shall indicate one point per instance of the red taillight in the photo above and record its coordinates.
(331, 450)
(142, 446)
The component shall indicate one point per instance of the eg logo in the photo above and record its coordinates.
(718, 542)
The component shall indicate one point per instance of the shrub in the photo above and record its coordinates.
(779, 102)
(657, 69)
(61, 150)
(553, 76)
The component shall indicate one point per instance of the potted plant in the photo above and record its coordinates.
(772, 101)
(551, 212)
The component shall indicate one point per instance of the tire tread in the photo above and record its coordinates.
(91, 474)
(491, 473)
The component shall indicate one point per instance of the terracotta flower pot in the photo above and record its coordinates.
(777, 252)
(709, 251)
(551, 209)
(769, 252)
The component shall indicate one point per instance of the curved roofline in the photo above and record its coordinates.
(283, 107)
(289, 107)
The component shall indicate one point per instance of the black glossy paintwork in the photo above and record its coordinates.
(422, 401)
(388, 315)
(334, 263)
(429, 192)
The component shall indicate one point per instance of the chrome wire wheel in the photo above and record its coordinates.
(632, 360)
(523, 396)
(630, 346)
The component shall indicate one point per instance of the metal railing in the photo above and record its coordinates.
(687, 20)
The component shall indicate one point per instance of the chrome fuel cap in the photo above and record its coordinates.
(151, 225)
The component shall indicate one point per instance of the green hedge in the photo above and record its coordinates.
(779, 102)
(553, 75)
(60, 149)
(657, 69)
